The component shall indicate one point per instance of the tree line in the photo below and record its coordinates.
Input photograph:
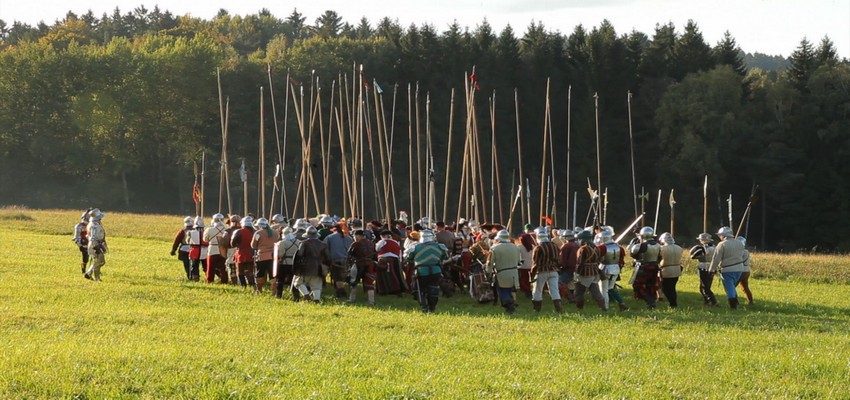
(113, 111)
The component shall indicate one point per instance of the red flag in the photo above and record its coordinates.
(196, 193)
(474, 79)
(547, 219)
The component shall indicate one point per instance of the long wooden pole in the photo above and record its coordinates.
(277, 142)
(283, 197)
(545, 154)
(632, 150)
(223, 141)
(411, 189)
(262, 157)
(598, 154)
(449, 155)
(705, 205)
(569, 145)
(379, 116)
(525, 217)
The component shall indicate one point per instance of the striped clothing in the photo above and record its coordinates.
(588, 260)
(545, 258)
(428, 258)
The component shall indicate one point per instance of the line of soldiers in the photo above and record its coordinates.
(90, 238)
(428, 259)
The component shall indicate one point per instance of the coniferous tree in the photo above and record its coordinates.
(803, 63)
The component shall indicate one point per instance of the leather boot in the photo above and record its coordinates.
(733, 303)
(83, 268)
(580, 304)
(601, 304)
(623, 307)
(260, 283)
(537, 305)
(558, 308)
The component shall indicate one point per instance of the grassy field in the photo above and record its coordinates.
(144, 332)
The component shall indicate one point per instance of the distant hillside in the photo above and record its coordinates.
(765, 62)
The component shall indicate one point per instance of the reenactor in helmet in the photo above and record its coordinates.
(82, 240)
(567, 256)
(215, 258)
(310, 260)
(325, 225)
(671, 268)
(647, 254)
(728, 259)
(197, 249)
(226, 248)
(263, 243)
(544, 271)
(244, 256)
(587, 271)
(361, 256)
(427, 257)
(703, 252)
(612, 261)
(287, 247)
(338, 244)
(180, 247)
(97, 244)
(527, 243)
(278, 223)
(502, 262)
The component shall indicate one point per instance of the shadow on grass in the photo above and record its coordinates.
(763, 315)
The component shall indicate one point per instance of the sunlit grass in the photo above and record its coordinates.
(145, 332)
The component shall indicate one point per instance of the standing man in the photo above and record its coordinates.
(227, 250)
(338, 244)
(287, 247)
(613, 258)
(263, 243)
(526, 244)
(567, 255)
(647, 254)
(311, 255)
(197, 249)
(180, 247)
(544, 271)
(215, 259)
(244, 256)
(704, 252)
(97, 244)
(361, 255)
(427, 257)
(671, 268)
(587, 271)
(502, 262)
(81, 239)
(728, 259)
(390, 276)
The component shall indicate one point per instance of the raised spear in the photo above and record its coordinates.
(746, 216)
(672, 214)
(632, 150)
(705, 205)
(657, 210)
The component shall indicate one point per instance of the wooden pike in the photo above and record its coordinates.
(545, 154)
(632, 151)
(261, 181)
(411, 189)
(598, 153)
(569, 125)
(525, 217)
(449, 155)
(705, 205)
(277, 141)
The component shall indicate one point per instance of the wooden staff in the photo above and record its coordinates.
(223, 168)
(390, 147)
(545, 153)
(569, 125)
(495, 165)
(411, 189)
(277, 140)
(261, 181)
(283, 198)
(632, 150)
(525, 217)
(203, 173)
(327, 155)
(705, 205)
(598, 154)
(379, 116)
(274, 189)
(449, 155)
(346, 198)
(672, 214)
(419, 179)
(243, 173)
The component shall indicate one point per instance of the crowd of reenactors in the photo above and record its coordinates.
(298, 259)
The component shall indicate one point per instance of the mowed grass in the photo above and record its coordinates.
(145, 332)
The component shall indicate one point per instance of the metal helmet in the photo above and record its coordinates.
(743, 240)
(425, 222)
(217, 218)
(568, 234)
(704, 237)
(725, 232)
(606, 237)
(278, 219)
(503, 236)
(234, 218)
(597, 238)
(542, 234)
(199, 222)
(188, 221)
(667, 238)
(646, 232)
(326, 221)
(247, 222)
(585, 236)
(426, 236)
(85, 216)
(288, 233)
(311, 232)
(96, 215)
(608, 228)
(263, 223)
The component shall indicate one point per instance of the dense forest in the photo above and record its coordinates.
(113, 111)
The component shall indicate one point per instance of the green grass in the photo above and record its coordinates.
(145, 332)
